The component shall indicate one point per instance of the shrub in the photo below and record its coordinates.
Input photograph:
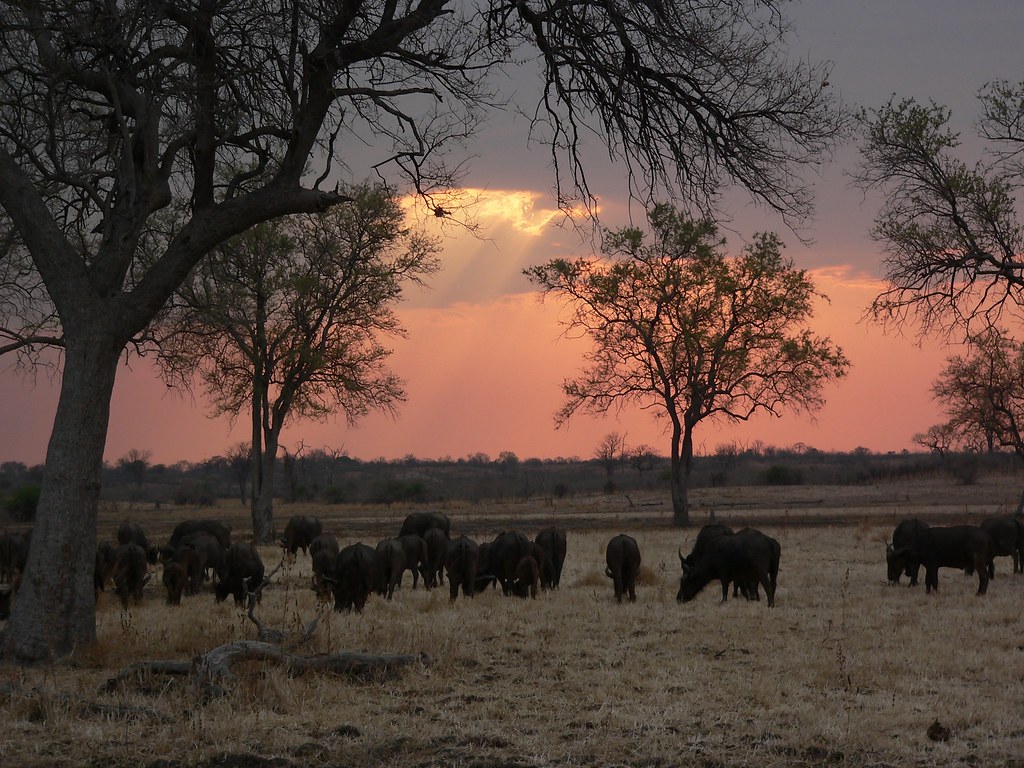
(780, 474)
(21, 505)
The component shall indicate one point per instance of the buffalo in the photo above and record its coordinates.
(437, 547)
(502, 557)
(132, 533)
(300, 532)
(421, 522)
(527, 577)
(209, 550)
(219, 530)
(129, 572)
(1007, 534)
(552, 541)
(13, 555)
(393, 561)
(461, 561)
(415, 549)
(905, 539)
(175, 580)
(323, 551)
(745, 558)
(358, 571)
(103, 567)
(241, 573)
(967, 547)
(6, 595)
(623, 565)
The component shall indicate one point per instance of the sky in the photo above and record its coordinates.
(484, 359)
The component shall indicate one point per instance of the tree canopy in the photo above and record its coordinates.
(950, 228)
(241, 112)
(686, 331)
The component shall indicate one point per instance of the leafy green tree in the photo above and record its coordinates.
(689, 333)
(284, 322)
(237, 113)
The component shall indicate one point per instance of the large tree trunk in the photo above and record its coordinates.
(263, 498)
(680, 474)
(55, 608)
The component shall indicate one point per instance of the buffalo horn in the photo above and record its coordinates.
(608, 573)
(682, 560)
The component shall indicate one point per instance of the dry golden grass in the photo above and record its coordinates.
(844, 669)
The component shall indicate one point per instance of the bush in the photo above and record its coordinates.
(336, 494)
(780, 474)
(21, 505)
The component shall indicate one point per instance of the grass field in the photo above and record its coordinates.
(844, 670)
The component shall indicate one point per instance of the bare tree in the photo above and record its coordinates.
(239, 461)
(951, 229)
(237, 113)
(690, 334)
(611, 452)
(134, 464)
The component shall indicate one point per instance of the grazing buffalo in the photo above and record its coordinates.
(13, 555)
(527, 578)
(705, 540)
(747, 558)
(623, 565)
(325, 542)
(967, 547)
(1007, 534)
(461, 562)
(502, 556)
(415, 549)
(392, 559)
(132, 533)
(358, 571)
(552, 541)
(104, 566)
(300, 532)
(323, 571)
(241, 573)
(175, 581)
(209, 550)
(421, 522)
(437, 547)
(129, 572)
(905, 539)
(484, 579)
(216, 528)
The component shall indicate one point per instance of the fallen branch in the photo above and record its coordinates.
(207, 670)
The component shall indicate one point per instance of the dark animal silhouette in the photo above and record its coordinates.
(967, 547)
(415, 549)
(129, 572)
(461, 562)
(904, 538)
(241, 573)
(216, 528)
(1007, 534)
(502, 556)
(300, 532)
(392, 559)
(133, 533)
(104, 566)
(527, 580)
(622, 557)
(437, 547)
(552, 541)
(748, 557)
(358, 571)
(421, 522)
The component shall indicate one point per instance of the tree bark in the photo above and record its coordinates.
(263, 498)
(55, 605)
(680, 474)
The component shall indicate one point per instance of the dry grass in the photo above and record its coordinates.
(844, 669)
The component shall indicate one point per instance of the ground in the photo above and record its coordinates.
(845, 669)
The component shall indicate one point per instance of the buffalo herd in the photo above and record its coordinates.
(201, 551)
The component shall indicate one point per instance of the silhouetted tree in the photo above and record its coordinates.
(611, 452)
(951, 230)
(682, 329)
(134, 464)
(234, 114)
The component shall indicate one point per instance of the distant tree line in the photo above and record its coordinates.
(331, 477)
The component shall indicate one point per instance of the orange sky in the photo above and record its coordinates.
(484, 361)
(485, 375)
